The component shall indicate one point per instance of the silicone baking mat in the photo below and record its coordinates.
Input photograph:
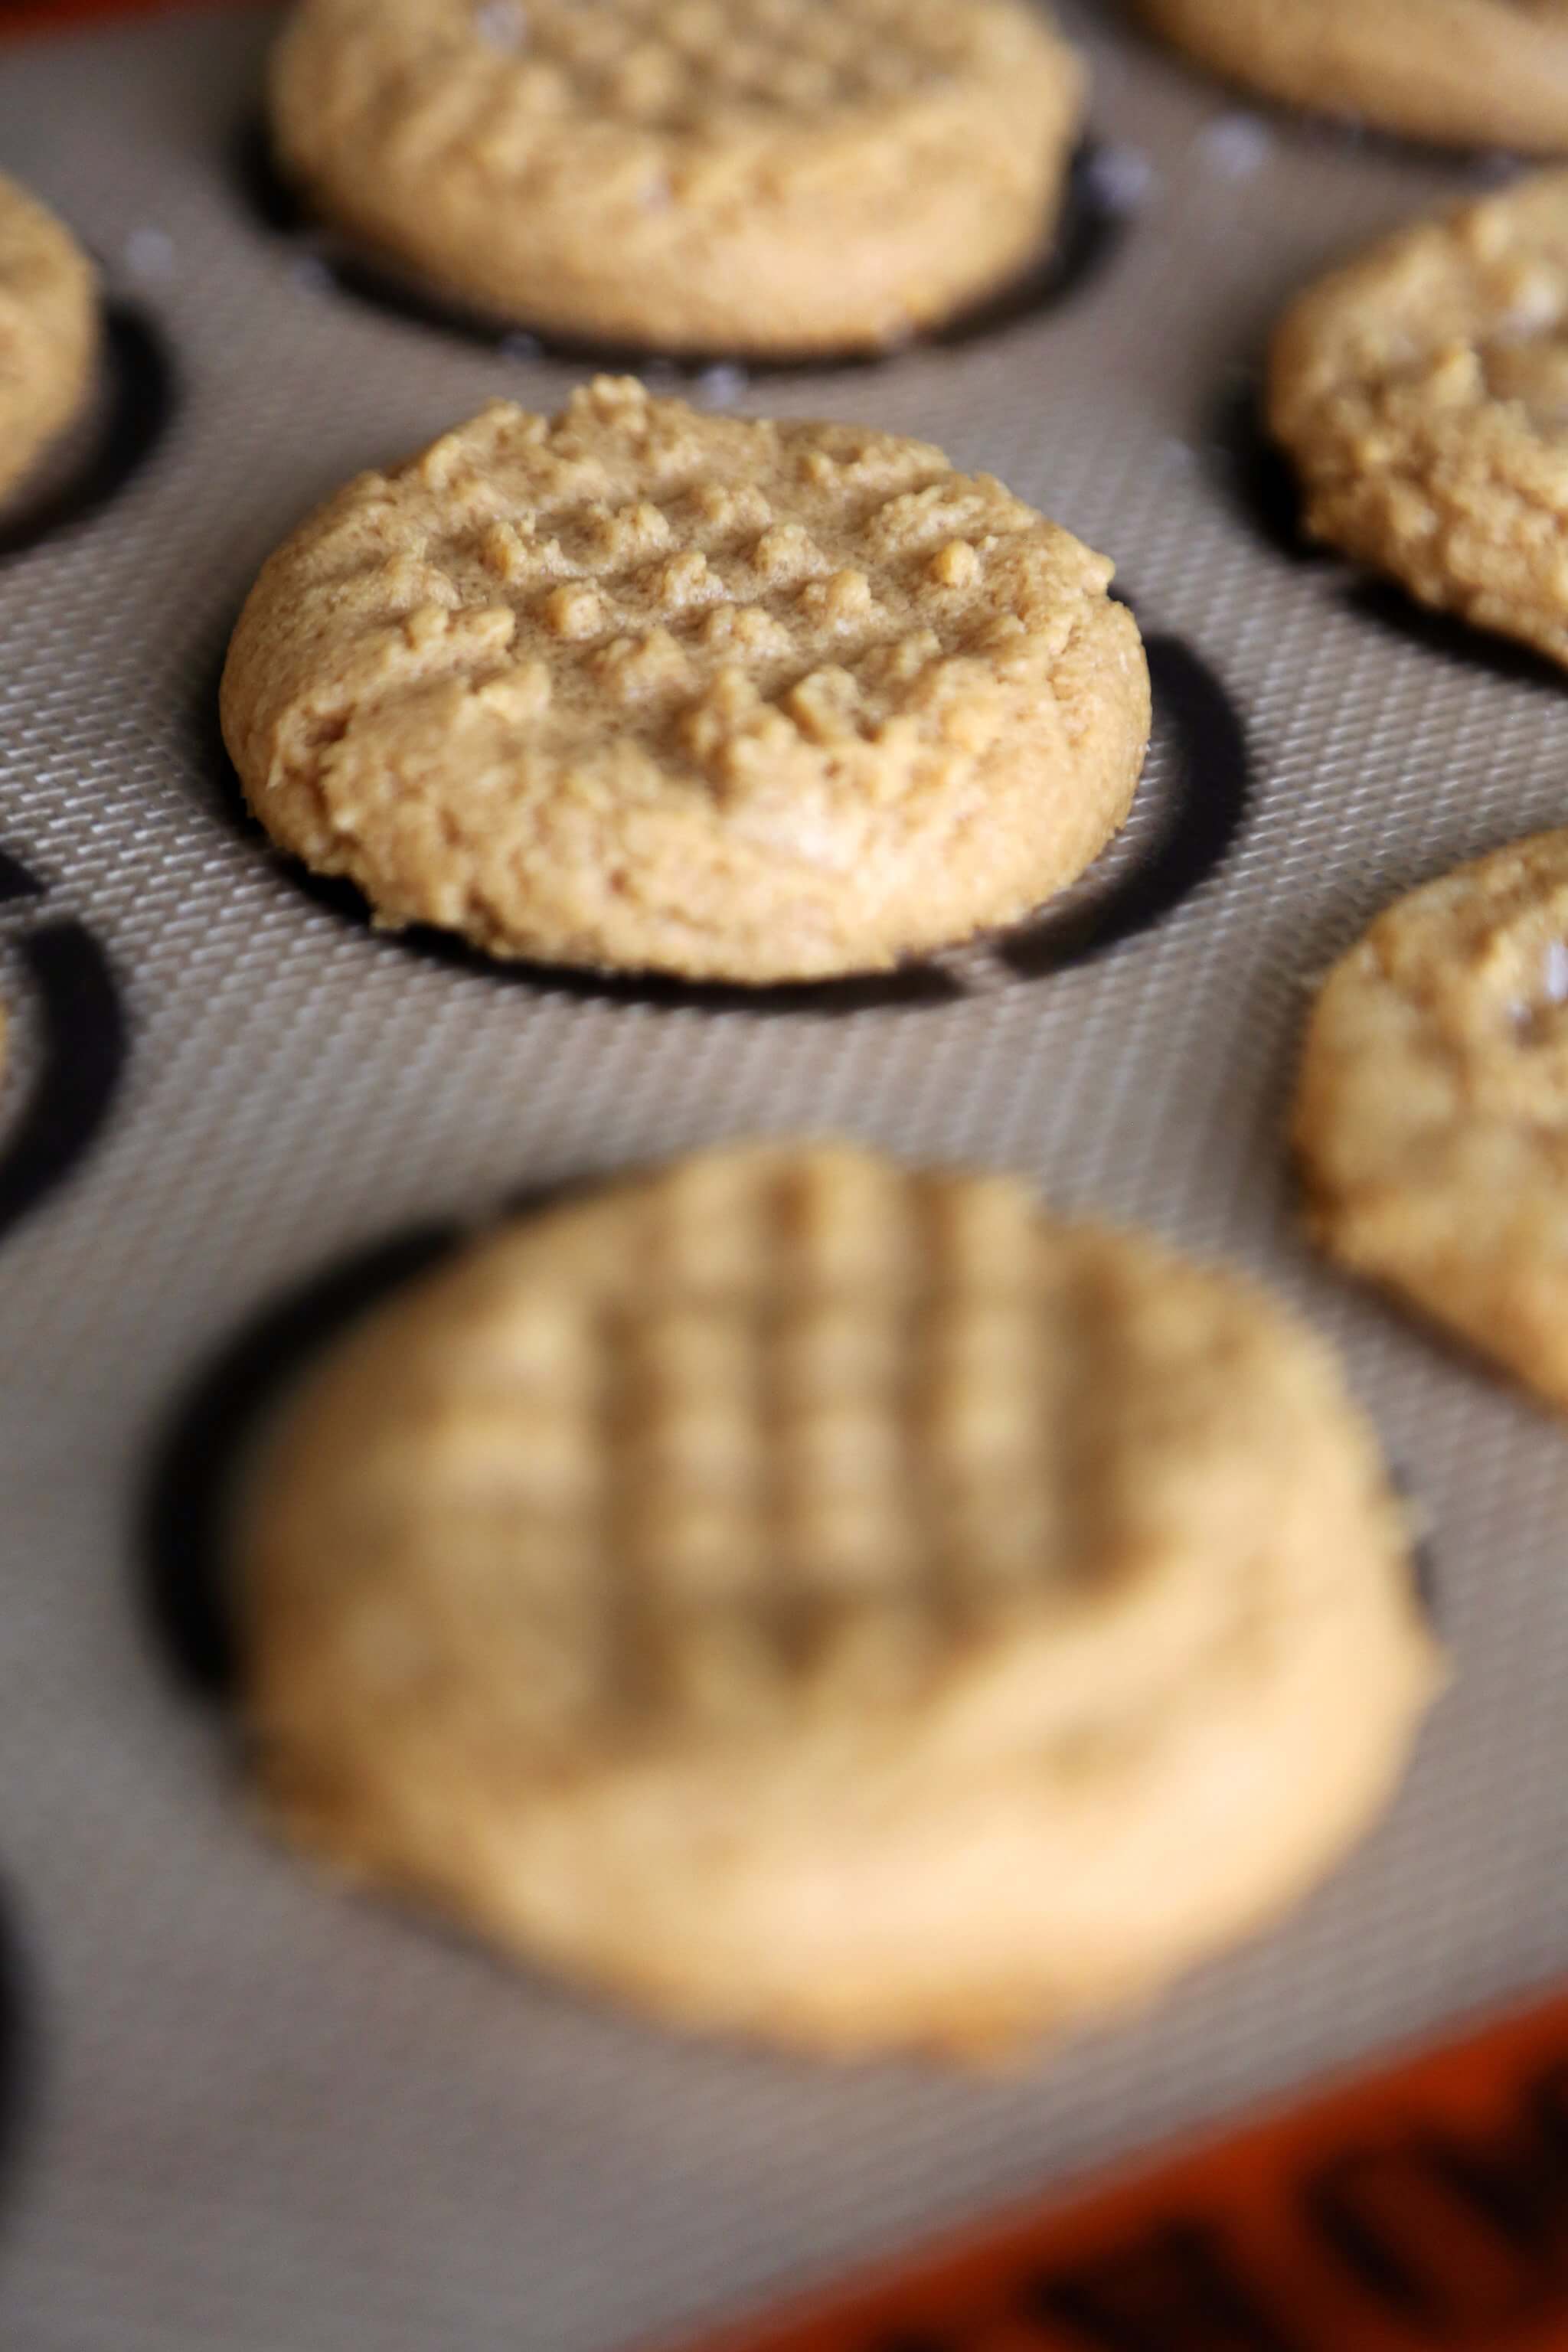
(241, 2110)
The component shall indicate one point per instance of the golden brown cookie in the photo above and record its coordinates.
(1423, 395)
(845, 1604)
(1466, 73)
(48, 332)
(636, 686)
(750, 176)
(1432, 1115)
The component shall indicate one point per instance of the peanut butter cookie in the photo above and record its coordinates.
(816, 1599)
(637, 686)
(48, 332)
(1466, 73)
(1423, 395)
(750, 176)
(1432, 1115)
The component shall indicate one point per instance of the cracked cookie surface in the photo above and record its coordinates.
(48, 332)
(1432, 1111)
(829, 1601)
(1422, 392)
(640, 688)
(1466, 73)
(744, 176)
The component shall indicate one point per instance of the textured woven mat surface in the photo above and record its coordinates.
(247, 2112)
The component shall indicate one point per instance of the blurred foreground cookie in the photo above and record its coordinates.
(833, 1602)
(1432, 1115)
(636, 686)
(749, 176)
(1423, 393)
(1489, 73)
(48, 332)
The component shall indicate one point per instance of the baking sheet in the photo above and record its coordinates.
(241, 2110)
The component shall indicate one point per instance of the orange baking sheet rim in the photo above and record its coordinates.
(1423, 2205)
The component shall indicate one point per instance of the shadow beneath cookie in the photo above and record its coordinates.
(84, 1046)
(184, 1509)
(911, 987)
(17, 882)
(1397, 613)
(1254, 475)
(1423, 1551)
(82, 1043)
(134, 407)
(22, 2055)
(264, 191)
(1473, 168)
(1188, 815)
(1087, 235)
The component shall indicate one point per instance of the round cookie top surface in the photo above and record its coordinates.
(638, 687)
(1432, 1114)
(1423, 393)
(830, 1600)
(48, 330)
(1459, 72)
(748, 176)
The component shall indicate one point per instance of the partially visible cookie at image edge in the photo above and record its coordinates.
(756, 177)
(837, 1602)
(1466, 73)
(1421, 393)
(1431, 1117)
(49, 333)
(640, 687)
